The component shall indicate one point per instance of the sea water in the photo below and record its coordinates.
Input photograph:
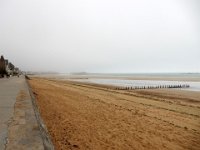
(194, 86)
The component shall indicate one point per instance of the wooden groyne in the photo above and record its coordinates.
(152, 87)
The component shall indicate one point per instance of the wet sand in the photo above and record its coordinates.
(163, 77)
(89, 116)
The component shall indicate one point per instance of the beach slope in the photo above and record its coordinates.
(80, 116)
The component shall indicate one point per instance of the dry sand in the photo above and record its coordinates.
(80, 116)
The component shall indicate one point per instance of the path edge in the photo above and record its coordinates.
(48, 145)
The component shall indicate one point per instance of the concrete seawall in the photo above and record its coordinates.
(48, 145)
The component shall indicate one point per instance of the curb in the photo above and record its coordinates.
(48, 145)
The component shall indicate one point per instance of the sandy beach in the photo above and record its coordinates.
(83, 116)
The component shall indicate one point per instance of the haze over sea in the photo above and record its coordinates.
(134, 79)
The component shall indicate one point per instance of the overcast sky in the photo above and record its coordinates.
(124, 36)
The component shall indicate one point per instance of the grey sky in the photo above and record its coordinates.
(101, 35)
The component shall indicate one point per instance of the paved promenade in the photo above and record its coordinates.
(18, 126)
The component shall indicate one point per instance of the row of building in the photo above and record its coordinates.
(7, 68)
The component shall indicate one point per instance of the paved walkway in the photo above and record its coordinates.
(18, 125)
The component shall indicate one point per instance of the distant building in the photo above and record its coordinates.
(6, 62)
(16, 71)
(2, 66)
(7, 68)
(11, 66)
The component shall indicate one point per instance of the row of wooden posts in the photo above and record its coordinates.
(152, 87)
